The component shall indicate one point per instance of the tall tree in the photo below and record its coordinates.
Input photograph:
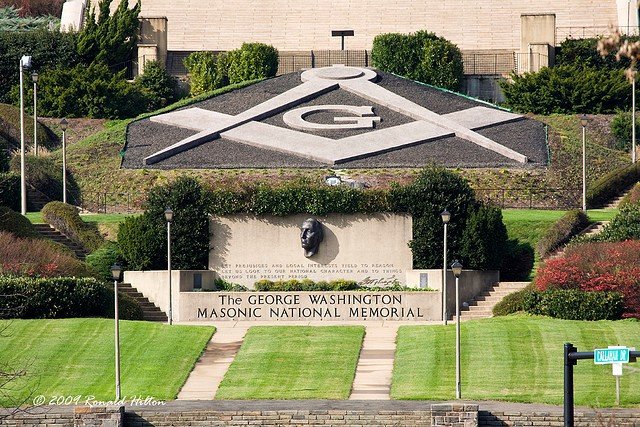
(107, 38)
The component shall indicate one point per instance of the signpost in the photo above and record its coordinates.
(614, 356)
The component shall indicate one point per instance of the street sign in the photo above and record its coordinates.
(607, 356)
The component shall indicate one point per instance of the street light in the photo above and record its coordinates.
(446, 216)
(168, 215)
(34, 77)
(63, 126)
(456, 267)
(116, 272)
(583, 121)
(25, 64)
(633, 117)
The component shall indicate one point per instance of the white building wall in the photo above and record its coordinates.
(305, 24)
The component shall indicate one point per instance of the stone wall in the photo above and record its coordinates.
(302, 25)
(604, 418)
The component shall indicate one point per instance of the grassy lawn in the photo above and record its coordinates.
(71, 357)
(515, 358)
(294, 362)
(36, 218)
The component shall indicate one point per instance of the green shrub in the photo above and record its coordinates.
(15, 223)
(253, 61)
(567, 89)
(159, 86)
(518, 261)
(441, 64)
(420, 56)
(562, 231)
(610, 185)
(60, 297)
(128, 308)
(102, 259)
(49, 49)
(45, 175)
(624, 226)
(65, 218)
(222, 69)
(484, 239)
(574, 304)
(223, 285)
(201, 67)
(89, 91)
(621, 129)
(5, 155)
(434, 190)
(304, 285)
(140, 241)
(630, 199)
(585, 52)
(512, 303)
(10, 20)
(10, 190)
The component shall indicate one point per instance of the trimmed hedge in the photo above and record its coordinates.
(16, 224)
(305, 285)
(513, 302)
(208, 71)
(567, 89)
(10, 190)
(610, 185)
(633, 197)
(624, 226)
(518, 261)
(158, 85)
(562, 231)
(61, 297)
(585, 52)
(574, 304)
(420, 56)
(65, 218)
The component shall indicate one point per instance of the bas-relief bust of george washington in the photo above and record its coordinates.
(311, 235)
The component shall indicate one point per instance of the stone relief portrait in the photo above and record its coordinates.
(311, 235)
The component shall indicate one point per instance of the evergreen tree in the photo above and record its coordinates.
(110, 39)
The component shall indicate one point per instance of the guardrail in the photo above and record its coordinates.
(530, 198)
(110, 202)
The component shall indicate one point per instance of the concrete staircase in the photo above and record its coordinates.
(48, 232)
(36, 199)
(149, 310)
(481, 307)
(591, 230)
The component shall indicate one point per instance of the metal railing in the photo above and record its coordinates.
(530, 198)
(582, 32)
(289, 62)
(110, 202)
(488, 63)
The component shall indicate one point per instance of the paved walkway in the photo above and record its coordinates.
(375, 366)
(373, 373)
(209, 371)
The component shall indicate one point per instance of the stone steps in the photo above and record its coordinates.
(48, 232)
(150, 311)
(482, 306)
(35, 199)
(591, 230)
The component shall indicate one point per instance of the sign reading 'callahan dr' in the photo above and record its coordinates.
(330, 306)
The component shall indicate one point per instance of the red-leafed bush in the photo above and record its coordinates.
(597, 267)
(37, 258)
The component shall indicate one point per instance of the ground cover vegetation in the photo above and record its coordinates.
(12, 20)
(516, 358)
(421, 56)
(65, 218)
(294, 362)
(149, 351)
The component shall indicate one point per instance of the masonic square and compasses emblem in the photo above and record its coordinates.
(297, 137)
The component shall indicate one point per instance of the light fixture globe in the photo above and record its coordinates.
(168, 215)
(116, 272)
(456, 268)
(446, 216)
(64, 124)
(584, 120)
(34, 76)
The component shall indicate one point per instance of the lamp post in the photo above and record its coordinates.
(116, 272)
(63, 126)
(633, 117)
(456, 267)
(583, 122)
(168, 215)
(34, 77)
(25, 64)
(446, 216)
